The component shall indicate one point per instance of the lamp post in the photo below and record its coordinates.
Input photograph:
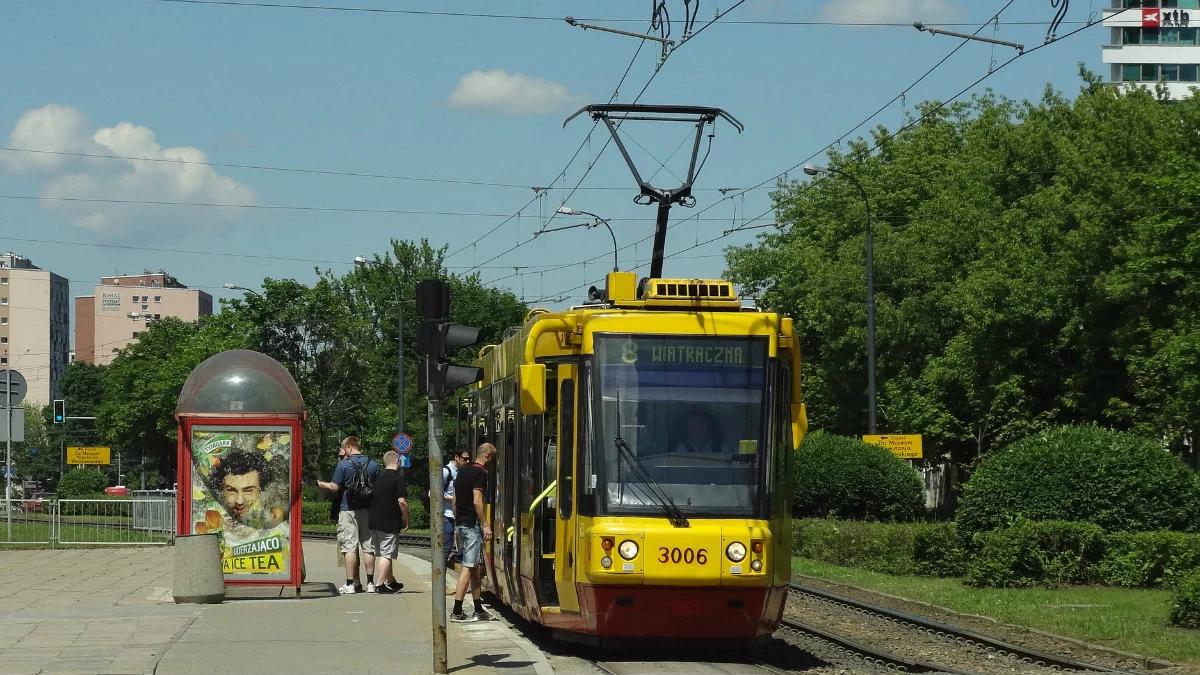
(235, 287)
(814, 170)
(596, 222)
(360, 261)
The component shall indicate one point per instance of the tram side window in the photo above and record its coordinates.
(566, 446)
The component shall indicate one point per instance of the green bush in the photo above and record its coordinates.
(1148, 558)
(82, 482)
(882, 547)
(418, 514)
(840, 477)
(315, 513)
(938, 551)
(1117, 480)
(1185, 601)
(1031, 553)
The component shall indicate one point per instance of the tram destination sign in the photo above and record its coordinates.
(904, 446)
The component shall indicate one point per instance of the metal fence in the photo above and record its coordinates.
(113, 521)
(26, 521)
(147, 519)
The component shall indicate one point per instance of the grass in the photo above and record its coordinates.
(39, 535)
(1129, 619)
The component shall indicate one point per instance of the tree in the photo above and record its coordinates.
(1035, 264)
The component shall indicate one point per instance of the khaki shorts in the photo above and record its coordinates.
(353, 531)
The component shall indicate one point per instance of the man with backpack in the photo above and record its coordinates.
(458, 460)
(354, 479)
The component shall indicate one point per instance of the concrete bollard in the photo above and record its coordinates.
(198, 575)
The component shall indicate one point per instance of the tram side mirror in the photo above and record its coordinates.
(799, 423)
(533, 388)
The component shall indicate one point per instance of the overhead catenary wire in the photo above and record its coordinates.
(931, 111)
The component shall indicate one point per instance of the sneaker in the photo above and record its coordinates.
(346, 589)
(460, 617)
(384, 589)
(396, 587)
(370, 586)
(358, 588)
(482, 614)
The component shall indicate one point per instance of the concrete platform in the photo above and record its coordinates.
(110, 611)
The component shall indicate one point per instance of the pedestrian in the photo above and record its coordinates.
(471, 529)
(389, 511)
(460, 459)
(353, 479)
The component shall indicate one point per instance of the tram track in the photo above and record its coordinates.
(981, 652)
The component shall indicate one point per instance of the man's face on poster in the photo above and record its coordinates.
(242, 491)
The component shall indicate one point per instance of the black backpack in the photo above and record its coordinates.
(360, 486)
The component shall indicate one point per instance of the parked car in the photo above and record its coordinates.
(117, 490)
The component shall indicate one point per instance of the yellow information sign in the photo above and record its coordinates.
(904, 446)
(88, 455)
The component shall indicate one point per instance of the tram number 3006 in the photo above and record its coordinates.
(686, 556)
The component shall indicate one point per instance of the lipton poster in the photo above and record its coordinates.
(241, 481)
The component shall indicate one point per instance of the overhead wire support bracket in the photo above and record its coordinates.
(700, 116)
(666, 41)
(967, 36)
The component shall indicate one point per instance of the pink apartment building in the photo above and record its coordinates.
(121, 306)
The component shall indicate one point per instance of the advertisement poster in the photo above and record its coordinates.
(241, 482)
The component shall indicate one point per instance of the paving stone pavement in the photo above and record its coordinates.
(110, 611)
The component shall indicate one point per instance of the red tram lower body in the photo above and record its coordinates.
(639, 612)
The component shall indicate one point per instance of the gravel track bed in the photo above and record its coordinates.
(1015, 635)
(902, 641)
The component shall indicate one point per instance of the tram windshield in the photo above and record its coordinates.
(689, 410)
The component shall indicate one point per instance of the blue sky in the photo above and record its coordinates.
(394, 94)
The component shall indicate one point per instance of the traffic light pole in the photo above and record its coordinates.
(437, 542)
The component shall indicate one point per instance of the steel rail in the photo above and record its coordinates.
(951, 633)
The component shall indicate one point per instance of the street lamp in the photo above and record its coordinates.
(361, 262)
(235, 287)
(596, 222)
(814, 170)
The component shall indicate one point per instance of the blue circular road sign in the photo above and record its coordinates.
(402, 443)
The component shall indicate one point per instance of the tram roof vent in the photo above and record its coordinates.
(715, 293)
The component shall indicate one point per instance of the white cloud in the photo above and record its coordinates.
(510, 93)
(59, 128)
(889, 11)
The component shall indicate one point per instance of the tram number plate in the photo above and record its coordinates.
(687, 556)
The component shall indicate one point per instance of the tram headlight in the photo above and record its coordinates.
(628, 549)
(606, 562)
(756, 565)
(736, 552)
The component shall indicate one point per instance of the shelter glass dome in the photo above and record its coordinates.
(240, 381)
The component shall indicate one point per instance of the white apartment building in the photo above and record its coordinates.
(1153, 41)
(34, 325)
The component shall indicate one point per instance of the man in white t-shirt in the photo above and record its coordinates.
(449, 472)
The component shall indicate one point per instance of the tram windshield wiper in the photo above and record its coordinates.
(643, 475)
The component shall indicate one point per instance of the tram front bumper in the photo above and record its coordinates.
(717, 613)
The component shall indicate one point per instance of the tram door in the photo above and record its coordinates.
(540, 517)
(509, 503)
(564, 546)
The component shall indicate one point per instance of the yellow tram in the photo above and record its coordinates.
(642, 488)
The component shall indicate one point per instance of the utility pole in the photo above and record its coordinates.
(8, 450)
(400, 366)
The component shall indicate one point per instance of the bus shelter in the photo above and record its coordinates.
(241, 419)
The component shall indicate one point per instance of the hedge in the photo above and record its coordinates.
(892, 548)
(1148, 558)
(1116, 480)
(317, 513)
(842, 477)
(1031, 553)
(1185, 602)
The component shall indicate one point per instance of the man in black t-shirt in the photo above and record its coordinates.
(471, 529)
(389, 503)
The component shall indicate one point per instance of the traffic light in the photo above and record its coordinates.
(60, 411)
(437, 338)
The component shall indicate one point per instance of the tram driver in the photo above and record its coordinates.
(702, 434)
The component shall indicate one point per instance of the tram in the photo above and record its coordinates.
(642, 488)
